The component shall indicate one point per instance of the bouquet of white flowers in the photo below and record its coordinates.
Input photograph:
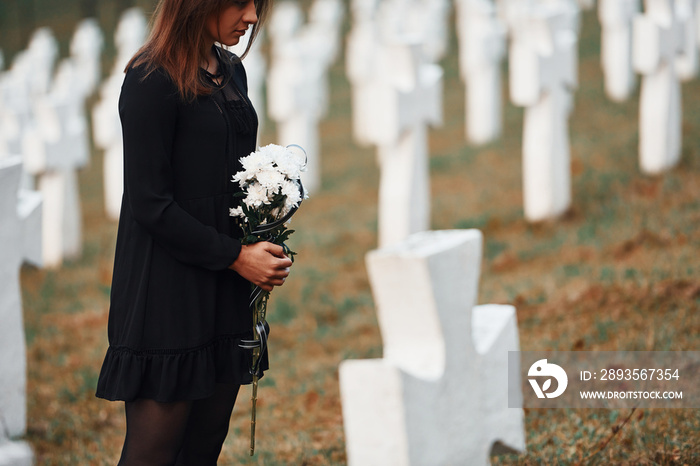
(271, 194)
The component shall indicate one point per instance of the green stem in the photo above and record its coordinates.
(253, 399)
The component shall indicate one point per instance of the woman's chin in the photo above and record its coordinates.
(230, 42)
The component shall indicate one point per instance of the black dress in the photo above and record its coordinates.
(177, 313)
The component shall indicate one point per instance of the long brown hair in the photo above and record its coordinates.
(177, 42)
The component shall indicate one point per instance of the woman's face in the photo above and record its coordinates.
(228, 27)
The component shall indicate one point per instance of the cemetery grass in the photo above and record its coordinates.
(618, 272)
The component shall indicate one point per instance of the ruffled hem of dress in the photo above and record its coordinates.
(174, 375)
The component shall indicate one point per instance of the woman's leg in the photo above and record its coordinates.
(154, 432)
(207, 427)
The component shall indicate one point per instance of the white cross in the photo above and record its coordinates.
(297, 86)
(107, 135)
(687, 62)
(29, 78)
(406, 96)
(431, 21)
(439, 396)
(482, 42)
(616, 46)
(58, 145)
(327, 16)
(129, 36)
(256, 71)
(543, 73)
(86, 50)
(20, 240)
(360, 65)
(106, 125)
(43, 48)
(658, 41)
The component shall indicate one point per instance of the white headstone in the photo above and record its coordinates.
(15, 454)
(256, 71)
(106, 125)
(440, 394)
(56, 146)
(687, 62)
(697, 23)
(29, 80)
(427, 20)
(297, 88)
(360, 64)
(406, 97)
(15, 109)
(327, 16)
(43, 51)
(658, 40)
(482, 42)
(432, 17)
(543, 73)
(129, 37)
(86, 50)
(616, 46)
(107, 135)
(20, 229)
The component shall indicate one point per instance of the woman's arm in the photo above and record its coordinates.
(148, 111)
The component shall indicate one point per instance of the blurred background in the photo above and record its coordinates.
(618, 270)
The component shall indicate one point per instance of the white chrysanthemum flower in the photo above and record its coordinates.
(291, 190)
(271, 179)
(256, 161)
(289, 167)
(236, 212)
(257, 195)
(243, 178)
(274, 152)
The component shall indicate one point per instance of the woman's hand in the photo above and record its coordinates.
(263, 264)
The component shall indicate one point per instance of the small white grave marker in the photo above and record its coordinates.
(106, 125)
(20, 240)
(327, 16)
(440, 394)
(616, 46)
(86, 50)
(43, 49)
(60, 145)
(360, 65)
(658, 41)
(543, 73)
(297, 87)
(256, 71)
(482, 42)
(406, 97)
(107, 135)
(687, 61)
(15, 107)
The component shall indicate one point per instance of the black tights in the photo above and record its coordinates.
(181, 433)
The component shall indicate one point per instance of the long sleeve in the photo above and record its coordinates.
(149, 110)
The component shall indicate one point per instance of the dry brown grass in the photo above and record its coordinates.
(620, 271)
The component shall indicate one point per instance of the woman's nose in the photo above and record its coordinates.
(250, 16)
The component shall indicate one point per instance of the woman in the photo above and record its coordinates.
(181, 280)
